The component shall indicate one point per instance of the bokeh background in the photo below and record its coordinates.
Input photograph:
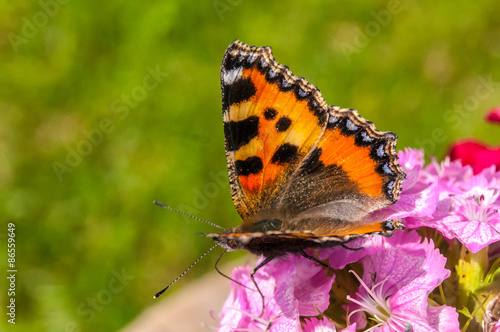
(107, 106)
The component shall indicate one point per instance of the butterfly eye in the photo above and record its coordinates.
(393, 225)
(389, 226)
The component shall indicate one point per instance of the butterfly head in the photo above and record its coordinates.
(389, 226)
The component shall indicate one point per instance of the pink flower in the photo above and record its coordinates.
(468, 204)
(470, 213)
(292, 286)
(338, 257)
(314, 324)
(238, 311)
(476, 154)
(396, 284)
(448, 173)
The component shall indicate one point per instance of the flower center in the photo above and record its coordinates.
(477, 207)
(374, 303)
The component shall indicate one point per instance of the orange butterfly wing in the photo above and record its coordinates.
(291, 156)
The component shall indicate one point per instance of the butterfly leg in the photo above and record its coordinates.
(226, 276)
(314, 259)
(264, 262)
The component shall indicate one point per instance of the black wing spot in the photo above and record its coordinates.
(285, 154)
(241, 132)
(283, 124)
(251, 165)
(241, 90)
(270, 113)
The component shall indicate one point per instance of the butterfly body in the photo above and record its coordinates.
(303, 174)
(281, 242)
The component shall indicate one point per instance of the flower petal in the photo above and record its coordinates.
(443, 319)
(314, 324)
(402, 276)
(476, 154)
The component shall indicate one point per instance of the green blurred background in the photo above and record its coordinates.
(89, 137)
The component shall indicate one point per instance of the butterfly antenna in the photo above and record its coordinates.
(183, 273)
(186, 214)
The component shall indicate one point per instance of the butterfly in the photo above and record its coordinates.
(303, 174)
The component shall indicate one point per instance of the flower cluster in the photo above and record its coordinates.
(441, 274)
